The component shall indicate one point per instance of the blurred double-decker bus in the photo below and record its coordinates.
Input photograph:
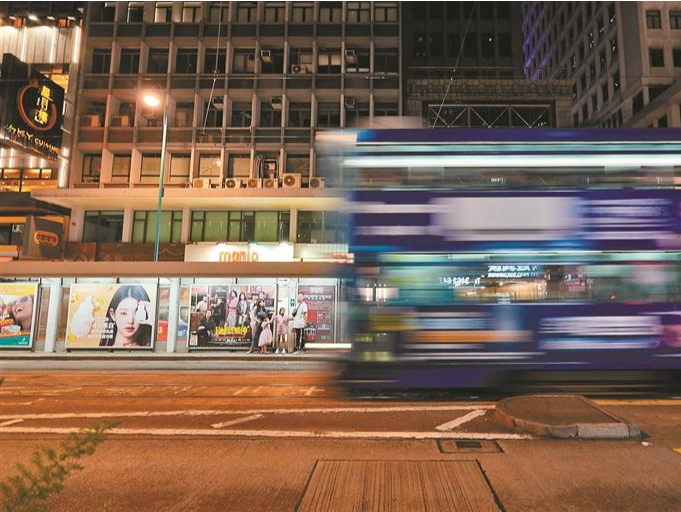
(488, 258)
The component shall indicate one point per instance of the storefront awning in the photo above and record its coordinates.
(21, 203)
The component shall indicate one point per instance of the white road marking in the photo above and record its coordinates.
(234, 422)
(239, 391)
(11, 422)
(450, 425)
(643, 402)
(312, 390)
(15, 403)
(275, 433)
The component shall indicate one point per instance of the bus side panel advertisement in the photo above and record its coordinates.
(321, 302)
(111, 316)
(17, 314)
(226, 316)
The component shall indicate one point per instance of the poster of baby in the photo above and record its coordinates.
(17, 314)
(111, 316)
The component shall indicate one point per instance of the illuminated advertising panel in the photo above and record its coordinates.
(17, 314)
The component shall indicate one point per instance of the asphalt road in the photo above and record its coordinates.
(269, 440)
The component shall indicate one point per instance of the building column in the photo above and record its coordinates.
(186, 225)
(126, 236)
(53, 313)
(293, 226)
(76, 225)
(173, 314)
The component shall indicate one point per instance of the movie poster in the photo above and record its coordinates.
(321, 305)
(17, 314)
(224, 316)
(111, 316)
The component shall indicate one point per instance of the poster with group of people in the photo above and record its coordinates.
(111, 316)
(17, 314)
(230, 316)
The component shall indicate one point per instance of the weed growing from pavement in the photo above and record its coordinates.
(30, 489)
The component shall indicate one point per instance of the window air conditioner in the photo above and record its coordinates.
(299, 69)
(120, 121)
(266, 56)
(233, 183)
(90, 121)
(200, 183)
(317, 183)
(350, 103)
(270, 183)
(350, 56)
(291, 180)
(253, 183)
(219, 103)
(276, 102)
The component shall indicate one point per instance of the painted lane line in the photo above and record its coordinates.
(275, 433)
(450, 425)
(248, 412)
(15, 403)
(238, 420)
(11, 422)
(239, 391)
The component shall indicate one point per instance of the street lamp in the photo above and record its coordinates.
(152, 99)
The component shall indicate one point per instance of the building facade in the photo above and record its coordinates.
(623, 57)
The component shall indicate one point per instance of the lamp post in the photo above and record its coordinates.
(153, 100)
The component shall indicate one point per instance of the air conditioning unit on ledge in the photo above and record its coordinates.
(300, 69)
(276, 102)
(270, 183)
(291, 180)
(253, 183)
(350, 103)
(350, 56)
(200, 183)
(233, 183)
(317, 183)
(266, 56)
(90, 121)
(120, 121)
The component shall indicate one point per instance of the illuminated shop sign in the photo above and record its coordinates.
(514, 271)
(239, 253)
(32, 115)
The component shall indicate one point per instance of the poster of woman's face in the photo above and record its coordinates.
(111, 316)
(17, 314)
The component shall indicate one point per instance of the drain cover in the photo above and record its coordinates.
(467, 446)
(413, 486)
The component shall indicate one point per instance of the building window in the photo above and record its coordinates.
(356, 114)
(274, 12)
(92, 165)
(212, 114)
(676, 57)
(386, 109)
(163, 13)
(616, 82)
(359, 12)
(185, 60)
(210, 165)
(453, 44)
(386, 12)
(613, 46)
(299, 115)
(656, 57)
(246, 12)
(504, 44)
(662, 122)
(269, 117)
(487, 45)
(321, 228)
(103, 226)
(386, 61)
(637, 103)
(486, 10)
(330, 12)
(359, 62)
(298, 163)
(218, 12)
(604, 92)
(130, 61)
(503, 11)
(435, 42)
(135, 12)
(244, 60)
(675, 20)
(151, 166)
(158, 60)
(329, 61)
(191, 12)
(612, 18)
(328, 115)
(656, 90)
(107, 12)
(241, 114)
(419, 45)
(300, 60)
(271, 61)
(239, 166)
(302, 12)
(144, 227)
(653, 19)
(120, 170)
(240, 226)
(603, 61)
(101, 61)
(215, 60)
(470, 46)
(180, 167)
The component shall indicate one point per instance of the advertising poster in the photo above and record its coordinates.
(111, 316)
(224, 316)
(321, 304)
(17, 314)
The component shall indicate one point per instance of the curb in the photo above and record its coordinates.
(167, 358)
(617, 429)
